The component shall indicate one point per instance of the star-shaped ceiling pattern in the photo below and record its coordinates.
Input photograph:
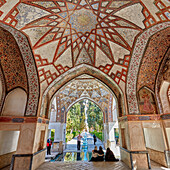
(83, 26)
(66, 33)
(84, 31)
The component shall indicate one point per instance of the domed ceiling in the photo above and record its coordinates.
(67, 33)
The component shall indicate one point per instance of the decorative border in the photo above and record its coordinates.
(31, 70)
(134, 65)
(3, 89)
(140, 117)
(9, 119)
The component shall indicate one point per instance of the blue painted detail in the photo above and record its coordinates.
(95, 6)
(71, 6)
(19, 120)
(63, 14)
(144, 118)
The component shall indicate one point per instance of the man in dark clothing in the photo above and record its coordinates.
(49, 143)
(94, 137)
(79, 141)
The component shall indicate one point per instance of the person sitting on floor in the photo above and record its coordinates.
(94, 154)
(100, 154)
(110, 156)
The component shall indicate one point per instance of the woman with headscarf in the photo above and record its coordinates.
(100, 154)
(94, 154)
(110, 156)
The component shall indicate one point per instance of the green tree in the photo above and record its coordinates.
(95, 117)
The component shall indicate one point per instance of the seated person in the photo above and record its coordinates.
(110, 156)
(94, 154)
(100, 154)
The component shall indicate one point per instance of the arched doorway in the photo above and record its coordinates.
(80, 88)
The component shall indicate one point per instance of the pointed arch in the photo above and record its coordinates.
(73, 73)
(134, 65)
(80, 99)
(31, 70)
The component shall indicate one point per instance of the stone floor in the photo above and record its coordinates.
(80, 165)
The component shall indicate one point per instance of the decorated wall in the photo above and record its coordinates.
(109, 36)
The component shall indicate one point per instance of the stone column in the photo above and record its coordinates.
(106, 135)
(166, 127)
(134, 152)
(111, 126)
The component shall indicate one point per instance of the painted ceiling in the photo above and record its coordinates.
(67, 33)
(80, 88)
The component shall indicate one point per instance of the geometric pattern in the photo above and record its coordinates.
(67, 33)
(81, 27)
(32, 77)
(155, 52)
(83, 87)
(160, 79)
(3, 93)
(136, 58)
(11, 62)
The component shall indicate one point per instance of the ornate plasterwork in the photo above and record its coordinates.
(77, 31)
(153, 56)
(136, 58)
(11, 62)
(115, 25)
(164, 68)
(33, 82)
(77, 71)
(2, 88)
(79, 89)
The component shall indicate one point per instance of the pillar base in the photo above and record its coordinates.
(135, 159)
(28, 161)
(167, 156)
(58, 146)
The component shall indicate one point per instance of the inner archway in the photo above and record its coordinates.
(84, 88)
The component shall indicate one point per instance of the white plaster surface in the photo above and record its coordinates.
(35, 34)
(8, 141)
(118, 51)
(59, 130)
(101, 58)
(154, 139)
(128, 34)
(164, 97)
(15, 103)
(116, 68)
(65, 59)
(47, 51)
(133, 13)
(168, 134)
(7, 7)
